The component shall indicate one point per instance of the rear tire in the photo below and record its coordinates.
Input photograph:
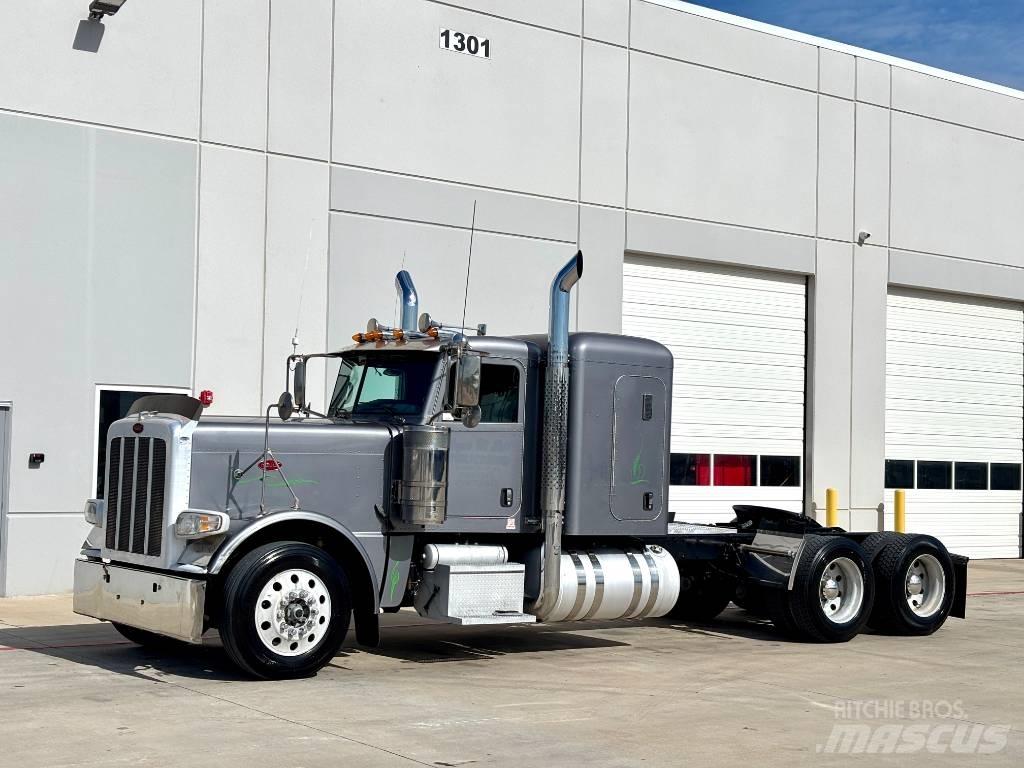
(916, 585)
(287, 607)
(876, 542)
(832, 595)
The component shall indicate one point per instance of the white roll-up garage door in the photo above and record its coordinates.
(954, 419)
(739, 339)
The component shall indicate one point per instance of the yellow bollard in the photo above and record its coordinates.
(901, 511)
(831, 508)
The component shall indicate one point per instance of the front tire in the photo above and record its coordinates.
(287, 607)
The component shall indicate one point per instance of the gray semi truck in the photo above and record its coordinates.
(478, 479)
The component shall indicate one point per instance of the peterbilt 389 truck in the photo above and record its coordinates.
(478, 479)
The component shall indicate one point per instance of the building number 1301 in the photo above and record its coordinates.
(460, 42)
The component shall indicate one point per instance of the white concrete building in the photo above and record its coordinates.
(827, 238)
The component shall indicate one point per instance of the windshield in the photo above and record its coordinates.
(391, 383)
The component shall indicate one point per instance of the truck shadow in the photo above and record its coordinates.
(100, 645)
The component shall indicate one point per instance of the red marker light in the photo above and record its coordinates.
(270, 465)
(206, 398)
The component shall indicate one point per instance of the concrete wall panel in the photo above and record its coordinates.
(599, 295)
(676, 33)
(873, 82)
(296, 270)
(838, 73)
(710, 145)
(235, 50)
(401, 197)
(940, 273)
(835, 168)
(82, 297)
(229, 318)
(831, 374)
(508, 282)
(41, 555)
(956, 191)
(55, 63)
(867, 383)
(606, 20)
(367, 251)
(300, 78)
(666, 236)
(603, 133)
(443, 115)
(563, 16)
(952, 102)
(871, 199)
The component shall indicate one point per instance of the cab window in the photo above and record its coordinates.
(499, 393)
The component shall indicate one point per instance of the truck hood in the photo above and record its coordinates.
(333, 468)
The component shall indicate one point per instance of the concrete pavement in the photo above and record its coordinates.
(655, 693)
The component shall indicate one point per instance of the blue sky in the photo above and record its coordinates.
(979, 38)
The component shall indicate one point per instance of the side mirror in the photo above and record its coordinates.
(299, 384)
(285, 406)
(471, 416)
(467, 381)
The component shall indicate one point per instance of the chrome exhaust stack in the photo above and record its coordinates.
(555, 438)
(409, 300)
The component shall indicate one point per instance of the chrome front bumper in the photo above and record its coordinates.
(167, 605)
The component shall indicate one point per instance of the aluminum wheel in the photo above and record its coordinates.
(293, 612)
(842, 590)
(925, 585)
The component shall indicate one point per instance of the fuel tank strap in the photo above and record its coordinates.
(598, 586)
(581, 587)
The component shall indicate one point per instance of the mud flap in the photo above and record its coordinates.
(959, 607)
(367, 629)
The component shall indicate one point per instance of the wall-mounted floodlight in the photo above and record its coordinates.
(863, 236)
(100, 8)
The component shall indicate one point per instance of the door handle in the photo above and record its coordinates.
(506, 497)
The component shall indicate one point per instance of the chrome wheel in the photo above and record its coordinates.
(925, 585)
(842, 590)
(293, 612)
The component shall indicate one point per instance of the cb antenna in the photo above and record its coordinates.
(302, 291)
(469, 264)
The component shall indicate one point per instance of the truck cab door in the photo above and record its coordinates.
(485, 463)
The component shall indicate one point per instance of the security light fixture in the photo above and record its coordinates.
(100, 8)
(862, 236)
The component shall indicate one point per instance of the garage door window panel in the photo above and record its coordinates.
(899, 473)
(935, 475)
(1005, 477)
(690, 469)
(735, 470)
(780, 471)
(970, 476)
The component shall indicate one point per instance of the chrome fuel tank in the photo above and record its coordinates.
(614, 584)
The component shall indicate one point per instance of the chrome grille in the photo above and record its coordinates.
(136, 472)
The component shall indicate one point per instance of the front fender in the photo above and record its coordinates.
(229, 547)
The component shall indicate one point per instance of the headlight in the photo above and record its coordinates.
(94, 511)
(195, 524)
